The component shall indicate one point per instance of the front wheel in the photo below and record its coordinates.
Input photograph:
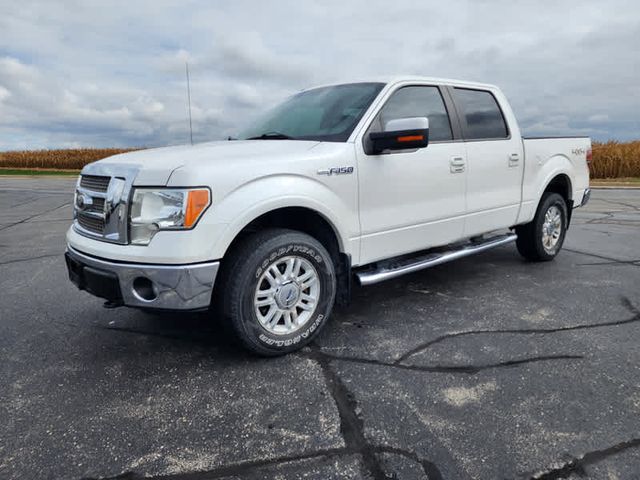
(541, 239)
(279, 289)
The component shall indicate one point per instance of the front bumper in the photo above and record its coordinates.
(166, 287)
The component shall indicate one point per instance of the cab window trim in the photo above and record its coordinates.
(463, 121)
(454, 125)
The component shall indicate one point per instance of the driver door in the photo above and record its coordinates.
(411, 200)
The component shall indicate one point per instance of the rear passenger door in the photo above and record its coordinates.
(495, 161)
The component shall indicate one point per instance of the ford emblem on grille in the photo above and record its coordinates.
(83, 201)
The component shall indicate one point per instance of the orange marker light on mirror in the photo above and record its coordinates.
(411, 138)
(197, 202)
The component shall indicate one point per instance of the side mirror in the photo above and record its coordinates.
(401, 134)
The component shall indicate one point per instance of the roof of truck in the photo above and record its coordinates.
(411, 78)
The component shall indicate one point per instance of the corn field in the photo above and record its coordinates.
(610, 159)
(69, 159)
(616, 160)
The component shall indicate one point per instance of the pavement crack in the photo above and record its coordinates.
(612, 221)
(465, 369)
(239, 469)
(18, 260)
(24, 204)
(34, 216)
(351, 425)
(429, 468)
(616, 262)
(577, 465)
(628, 304)
(527, 331)
(621, 204)
(602, 257)
(597, 220)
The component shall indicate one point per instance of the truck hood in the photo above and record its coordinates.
(155, 166)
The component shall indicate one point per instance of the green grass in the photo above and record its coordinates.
(28, 171)
(635, 181)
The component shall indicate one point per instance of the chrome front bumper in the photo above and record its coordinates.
(167, 287)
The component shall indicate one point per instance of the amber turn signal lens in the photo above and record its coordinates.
(411, 138)
(197, 202)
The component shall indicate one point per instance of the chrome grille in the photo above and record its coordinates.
(90, 203)
(93, 224)
(95, 183)
(97, 206)
(101, 203)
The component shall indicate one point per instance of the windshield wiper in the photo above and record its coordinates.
(271, 136)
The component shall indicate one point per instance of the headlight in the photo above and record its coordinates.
(155, 209)
(75, 197)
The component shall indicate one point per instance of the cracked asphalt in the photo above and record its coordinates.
(485, 368)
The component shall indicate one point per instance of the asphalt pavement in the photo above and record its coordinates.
(485, 368)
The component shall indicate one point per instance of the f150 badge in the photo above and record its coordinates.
(336, 171)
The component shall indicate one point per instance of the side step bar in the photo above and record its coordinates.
(393, 269)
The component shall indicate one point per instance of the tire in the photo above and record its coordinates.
(541, 239)
(274, 314)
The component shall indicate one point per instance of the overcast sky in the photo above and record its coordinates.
(81, 73)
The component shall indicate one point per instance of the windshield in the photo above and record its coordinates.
(325, 114)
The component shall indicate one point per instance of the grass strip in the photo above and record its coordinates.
(38, 171)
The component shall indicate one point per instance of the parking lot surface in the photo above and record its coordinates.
(485, 368)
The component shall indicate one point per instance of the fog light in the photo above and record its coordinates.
(143, 289)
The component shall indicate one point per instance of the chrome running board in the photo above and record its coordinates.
(394, 268)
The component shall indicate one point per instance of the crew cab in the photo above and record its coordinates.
(352, 182)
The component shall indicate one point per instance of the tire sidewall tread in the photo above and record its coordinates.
(529, 241)
(241, 276)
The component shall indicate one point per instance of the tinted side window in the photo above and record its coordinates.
(418, 102)
(482, 114)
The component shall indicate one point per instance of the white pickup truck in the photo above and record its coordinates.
(360, 181)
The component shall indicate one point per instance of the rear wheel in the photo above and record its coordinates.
(279, 289)
(541, 239)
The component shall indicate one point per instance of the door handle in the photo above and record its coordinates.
(514, 159)
(456, 164)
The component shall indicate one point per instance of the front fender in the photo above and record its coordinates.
(338, 205)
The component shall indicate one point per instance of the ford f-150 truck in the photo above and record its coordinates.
(341, 183)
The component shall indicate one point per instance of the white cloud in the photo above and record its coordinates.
(598, 118)
(112, 73)
(4, 93)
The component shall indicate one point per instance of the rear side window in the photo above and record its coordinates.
(481, 114)
(417, 102)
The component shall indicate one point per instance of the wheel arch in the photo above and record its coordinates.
(312, 222)
(303, 219)
(560, 184)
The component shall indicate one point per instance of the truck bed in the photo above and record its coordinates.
(572, 151)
